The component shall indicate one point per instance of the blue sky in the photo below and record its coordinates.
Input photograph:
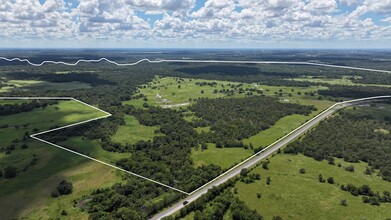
(196, 23)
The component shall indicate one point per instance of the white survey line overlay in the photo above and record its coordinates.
(34, 136)
(181, 61)
(191, 61)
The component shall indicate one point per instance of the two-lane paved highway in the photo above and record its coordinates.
(264, 154)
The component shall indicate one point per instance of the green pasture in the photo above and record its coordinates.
(293, 195)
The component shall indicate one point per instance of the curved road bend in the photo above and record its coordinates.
(262, 155)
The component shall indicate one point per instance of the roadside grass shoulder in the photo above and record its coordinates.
(223, 157)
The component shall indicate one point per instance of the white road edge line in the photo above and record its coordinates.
(285, 136)
(191, 61)
(34, 136)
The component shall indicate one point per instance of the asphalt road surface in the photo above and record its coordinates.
(282, 142)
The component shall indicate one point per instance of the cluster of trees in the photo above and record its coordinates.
(368, 195)
(350, 138)
(224, 202)
(355, 91)
(9, 172)
(211, 84)
(234, 119)
(373, 78)
(215, 203)
(133, 199)
(9, 109)
(64, 188)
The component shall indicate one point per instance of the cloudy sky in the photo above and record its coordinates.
(196, 23)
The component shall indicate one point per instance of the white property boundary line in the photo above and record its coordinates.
(34, 136)
(293, 131)
(187, 61)
(191, 61)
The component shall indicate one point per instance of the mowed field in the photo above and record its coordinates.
(293, 195)
(28, 194)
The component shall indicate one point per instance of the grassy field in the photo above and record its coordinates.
(93, 149)
(42, 85)
(332, 81)
(292, 195)
(65, 112)
(223, 157)
(28, 195)
(133, 131)
(179, 90)
(29, 192)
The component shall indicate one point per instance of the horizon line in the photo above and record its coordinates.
(190, 48)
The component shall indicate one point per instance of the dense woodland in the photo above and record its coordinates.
(352, 138)
(234, 119)
(355, 91)
(135, 199)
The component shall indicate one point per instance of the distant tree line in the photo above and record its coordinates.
(89, 78)
(355, 91)
(9, 109)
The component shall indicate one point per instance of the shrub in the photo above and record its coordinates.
(55, 194)
(268, 180)
(243, 172)
(350, 168)
(330, 180)
(344, 202)
(10, 172)
(321, 178)
(302, 171)
(24, 146)
(65, 187)
(265, 165)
